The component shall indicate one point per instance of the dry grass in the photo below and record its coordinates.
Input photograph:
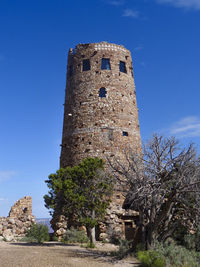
(55, 254)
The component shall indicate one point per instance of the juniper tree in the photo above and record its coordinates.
(82, 192)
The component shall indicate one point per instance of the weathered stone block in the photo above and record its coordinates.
(19, 221)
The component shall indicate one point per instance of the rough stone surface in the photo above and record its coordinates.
(96, 126)
(19, 220)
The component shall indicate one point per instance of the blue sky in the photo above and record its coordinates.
(164, 39)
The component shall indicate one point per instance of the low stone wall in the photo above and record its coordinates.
(19, 220)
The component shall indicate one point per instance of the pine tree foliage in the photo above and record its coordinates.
(81, 192)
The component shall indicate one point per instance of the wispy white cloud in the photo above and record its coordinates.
(5, 175)
(138, 48)
(188, 4)
(2, 199)
(131, 13)
(186, 127)
(117, 2)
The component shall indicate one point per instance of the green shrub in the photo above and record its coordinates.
(150, 258)
(177, 256)
(38, 233)
(88, 245)
(192, 241)
(54, 238)
(28, 239)
(115, 240)
(75, 236)
(124, 249)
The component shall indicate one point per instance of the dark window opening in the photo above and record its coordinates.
(102, 92)
(86, 64)
(122, 66)
(25, 210)
(125, 133)
(70, 71)
(87, 150)
(89, 143)
(105, 64)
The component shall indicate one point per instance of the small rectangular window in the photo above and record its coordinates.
(122, 66)
(105, 64)
(125, 133)
(86, 64)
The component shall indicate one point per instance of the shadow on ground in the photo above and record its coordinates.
(74, 250)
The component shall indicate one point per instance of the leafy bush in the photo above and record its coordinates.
(150, 258)
(177, 256)
(75, 236)
(54, 238)
(124, 249)
(192, 241)
(115, 240)
(28, 239)
(38, 233)
(88, 245)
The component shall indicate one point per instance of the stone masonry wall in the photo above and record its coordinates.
(19, 220)
(101, 125)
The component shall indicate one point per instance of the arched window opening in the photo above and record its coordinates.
(102, 92)
(105, 64)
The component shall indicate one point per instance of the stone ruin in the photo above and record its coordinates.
(19, 220)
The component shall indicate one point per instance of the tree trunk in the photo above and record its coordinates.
(91, 235)
(91, 231)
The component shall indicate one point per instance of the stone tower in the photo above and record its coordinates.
(101, 114)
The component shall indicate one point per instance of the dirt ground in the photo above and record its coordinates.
(54, 254)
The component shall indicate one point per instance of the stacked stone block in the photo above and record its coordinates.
(19, 220)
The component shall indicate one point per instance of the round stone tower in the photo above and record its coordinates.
(101, 114)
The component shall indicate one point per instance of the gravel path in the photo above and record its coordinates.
(58, 255)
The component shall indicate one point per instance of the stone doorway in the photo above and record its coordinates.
(129, 230)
